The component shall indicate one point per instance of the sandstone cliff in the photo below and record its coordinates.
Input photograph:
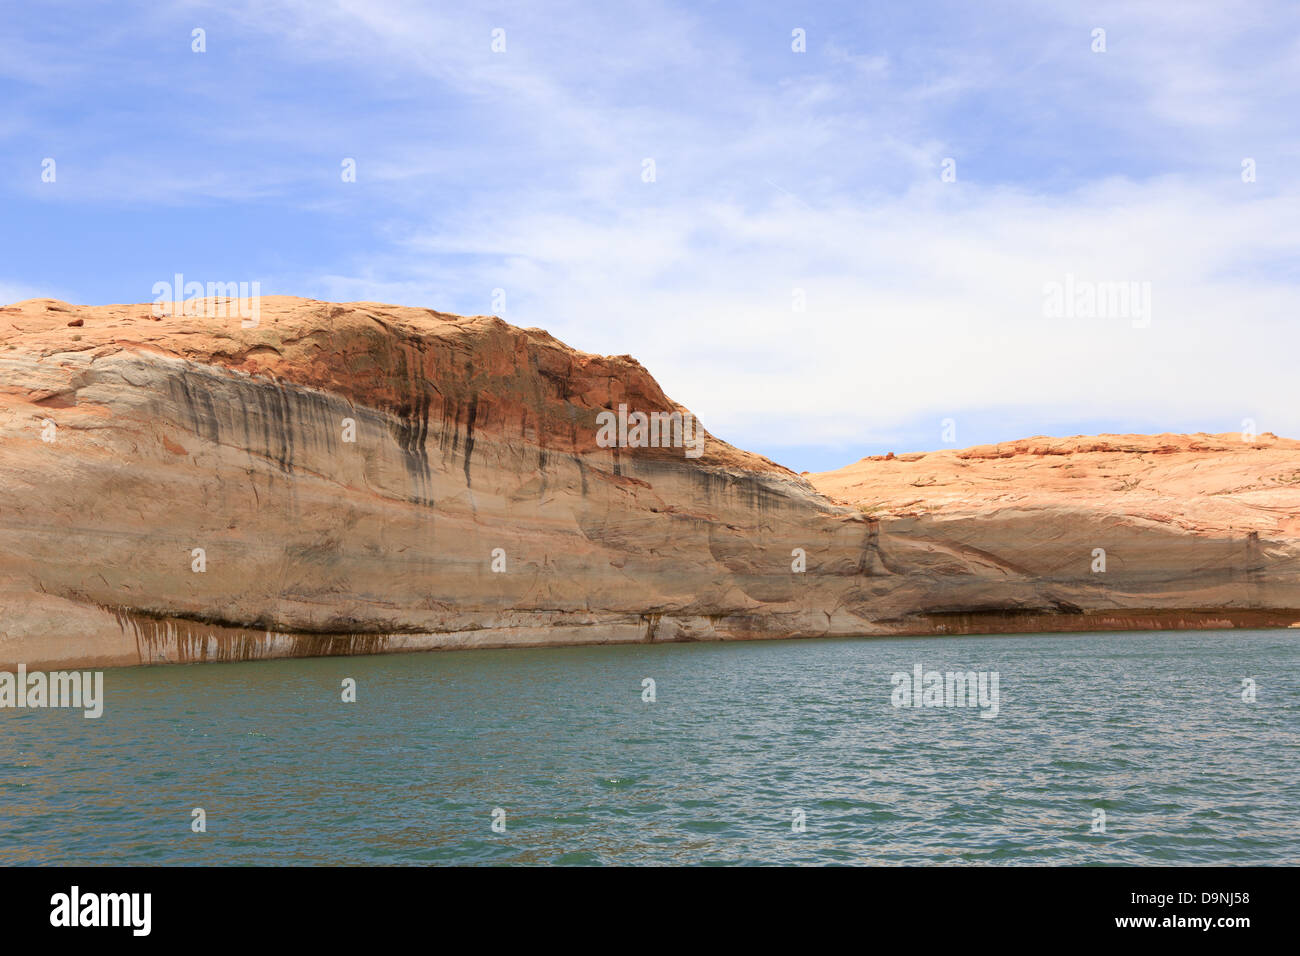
(354, 473)
(1138, 527)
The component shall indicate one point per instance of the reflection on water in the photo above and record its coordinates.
(1149, 727)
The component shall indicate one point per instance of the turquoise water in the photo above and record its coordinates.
(1151, 728)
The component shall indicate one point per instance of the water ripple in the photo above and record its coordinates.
(742, 739)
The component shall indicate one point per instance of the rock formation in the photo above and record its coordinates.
(366, 478)
(1132, 530)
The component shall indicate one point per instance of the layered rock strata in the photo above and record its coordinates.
(363, 478)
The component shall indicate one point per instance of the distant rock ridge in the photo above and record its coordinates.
(1202, 482)
(358, 478)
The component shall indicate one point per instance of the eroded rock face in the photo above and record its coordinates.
(129, 441)
(1209, 522)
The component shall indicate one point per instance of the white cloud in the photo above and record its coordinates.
(817, 171)
(11, 292)
(927, 305)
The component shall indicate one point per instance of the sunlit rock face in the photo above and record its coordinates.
(1111, 524)
(362, 478)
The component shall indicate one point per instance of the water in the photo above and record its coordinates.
(1149, 727)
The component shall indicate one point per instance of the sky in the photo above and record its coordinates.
(829, 229)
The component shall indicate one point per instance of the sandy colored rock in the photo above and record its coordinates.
(135, 439)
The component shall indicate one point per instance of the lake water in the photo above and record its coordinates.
(1150, 728)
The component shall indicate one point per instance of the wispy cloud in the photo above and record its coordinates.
(778, 175)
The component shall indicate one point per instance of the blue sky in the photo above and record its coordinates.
(775, 171)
